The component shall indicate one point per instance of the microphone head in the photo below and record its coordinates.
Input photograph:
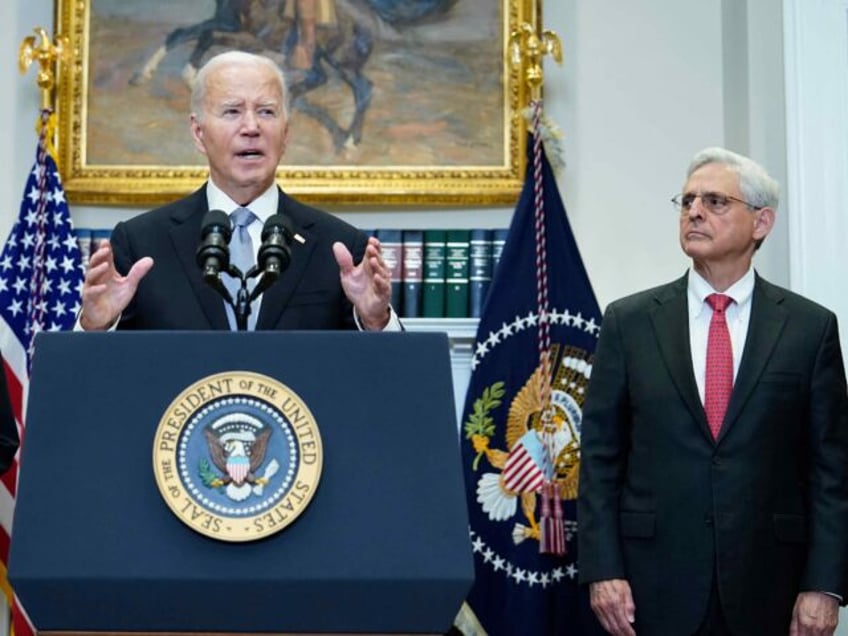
(213, 253)
(278, 223)
(275, 254)
(216, 221)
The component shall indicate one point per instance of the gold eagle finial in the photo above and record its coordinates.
(528, 45)
(39, 48)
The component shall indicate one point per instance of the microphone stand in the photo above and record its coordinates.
(242, 303)
(273, 258)
(213, 257)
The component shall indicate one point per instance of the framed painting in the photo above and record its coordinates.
(408, 102)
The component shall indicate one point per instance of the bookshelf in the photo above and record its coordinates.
(461, 331)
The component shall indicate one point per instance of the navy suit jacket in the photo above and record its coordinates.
(173, 295)
(764, 506)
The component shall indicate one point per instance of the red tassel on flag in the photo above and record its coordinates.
(552, 528)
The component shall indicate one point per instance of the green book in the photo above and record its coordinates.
(433, 295)
(458, 246)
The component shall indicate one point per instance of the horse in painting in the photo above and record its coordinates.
(308, 39)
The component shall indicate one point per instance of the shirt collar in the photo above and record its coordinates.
(698, 289)
(262, 206)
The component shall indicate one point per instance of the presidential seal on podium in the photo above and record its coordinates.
(237, 456)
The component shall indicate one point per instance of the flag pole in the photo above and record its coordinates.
(41, 237)
(529, 44)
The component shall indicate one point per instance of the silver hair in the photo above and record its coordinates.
(198, 89)
(755, 184)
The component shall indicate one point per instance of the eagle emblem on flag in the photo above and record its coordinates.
(526, 462)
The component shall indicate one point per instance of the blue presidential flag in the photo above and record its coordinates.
(531, 363)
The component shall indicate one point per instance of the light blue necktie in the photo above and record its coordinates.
(242, 256)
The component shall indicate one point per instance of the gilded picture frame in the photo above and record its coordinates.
(429, 113)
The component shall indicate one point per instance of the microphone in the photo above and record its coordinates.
(275, 254)
(213, 253)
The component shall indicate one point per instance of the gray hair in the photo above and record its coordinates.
(198, 89)
(755, 184)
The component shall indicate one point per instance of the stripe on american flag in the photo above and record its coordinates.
(521, 474)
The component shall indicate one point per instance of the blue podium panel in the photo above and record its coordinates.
(382, 547)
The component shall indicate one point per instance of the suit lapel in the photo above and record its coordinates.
(670, 318)
(764, 328)
(185, 235)
(278, 296)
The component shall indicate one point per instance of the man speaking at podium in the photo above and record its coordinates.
(147, 277)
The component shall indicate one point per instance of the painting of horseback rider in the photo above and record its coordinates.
(289, 30)
(374, 82)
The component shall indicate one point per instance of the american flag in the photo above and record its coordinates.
(41, 275)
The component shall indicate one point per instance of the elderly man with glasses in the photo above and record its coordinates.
(714, 463)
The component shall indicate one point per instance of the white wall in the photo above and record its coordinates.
(634, 111)
(12, 177)
(817, 98)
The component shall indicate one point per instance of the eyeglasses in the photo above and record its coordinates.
(715, 202)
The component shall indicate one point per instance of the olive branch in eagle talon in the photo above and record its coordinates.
(480, 426)
(208, 476)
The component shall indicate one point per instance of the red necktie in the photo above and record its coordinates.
(719, 377)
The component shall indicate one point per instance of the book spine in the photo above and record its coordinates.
(498, 242)
(412, 272)
(433, 293)
(390, 244)
(479, 270)
(456, 277)
(84, 241)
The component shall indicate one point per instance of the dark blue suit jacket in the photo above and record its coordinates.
(764, 507)
(174, 296)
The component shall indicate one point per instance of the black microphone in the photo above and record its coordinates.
(275, 254)
(213, 253)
